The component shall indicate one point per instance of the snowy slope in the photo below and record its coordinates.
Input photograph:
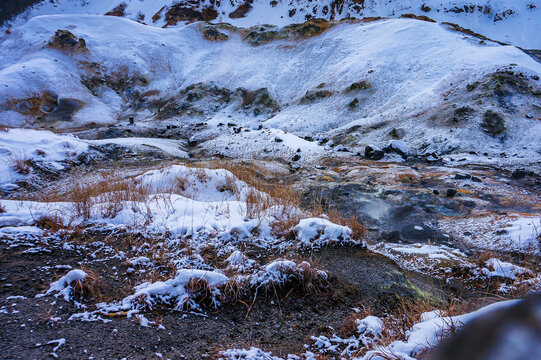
(412, 67)
(511, 21)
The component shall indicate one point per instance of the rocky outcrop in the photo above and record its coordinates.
(314, 95)
(65, 40)
(211, 33)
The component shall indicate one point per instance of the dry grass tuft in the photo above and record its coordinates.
(234, 291)
(22, 166)
(334, 216)
(199, 292)
(52, 223)
(107, 195)
(349, 325)
(2, 209)
(90, 288)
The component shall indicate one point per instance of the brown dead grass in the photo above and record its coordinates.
(22, 166)
(53, 223)
(90, 288)
(106, 195)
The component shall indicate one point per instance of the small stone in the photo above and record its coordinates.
(451, 192)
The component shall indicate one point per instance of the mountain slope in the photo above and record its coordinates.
(359, 79)
(510, 21)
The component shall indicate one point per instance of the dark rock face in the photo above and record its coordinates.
(353, 104)
(510, 333)
(493, 123)
(374, 153)
(49, 107)
(65, 40)
(463, 113)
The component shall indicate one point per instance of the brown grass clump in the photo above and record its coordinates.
(200, 293)
(52, 223)
(106, 196)
(311, 279)
(349, 325)
(22, 166)
(2, 209)
(234, 291)
(90, 288)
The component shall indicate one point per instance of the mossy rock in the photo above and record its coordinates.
(255, 37)
(493, 123)
(263, 34)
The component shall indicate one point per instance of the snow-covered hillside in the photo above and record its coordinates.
(435, 88)
(512, 21)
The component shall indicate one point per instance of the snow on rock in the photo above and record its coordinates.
(513, 231)
(43, 148)
(497, 267)
(64, 286)
(317, 232)
(141, 260)
(524, 231)
(171, 147)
